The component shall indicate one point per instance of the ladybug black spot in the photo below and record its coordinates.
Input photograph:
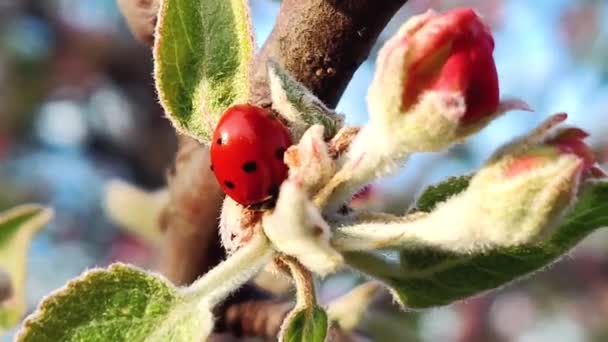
(273, 190)
(219, 141)
(229, 184)
(279, 153)
(250, 167)
(211, 167)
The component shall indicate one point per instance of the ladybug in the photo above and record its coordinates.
(247, 154)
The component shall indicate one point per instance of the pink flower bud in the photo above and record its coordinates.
(567, 141)
(436, 82)
(521, 194)
(449, 52)
(531, 183)
(570, 141)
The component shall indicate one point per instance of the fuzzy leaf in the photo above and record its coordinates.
(121, 303)
(202, 56)
(17, 227)
(441, 192)
(428, 277)
(298, 105)
(306, 325)
(124, 303)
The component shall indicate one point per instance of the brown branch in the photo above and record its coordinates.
(191, 244)
(255, 318)
(322, 43)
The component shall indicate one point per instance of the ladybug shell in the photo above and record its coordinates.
(247, 154)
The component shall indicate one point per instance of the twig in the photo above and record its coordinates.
(191, 246)
(321, 43)
(259, 318)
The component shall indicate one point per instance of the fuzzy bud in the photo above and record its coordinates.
(435, 85)
(296, 228)
(436, 80)
(517, 198)
(309, 162)
(523, 192)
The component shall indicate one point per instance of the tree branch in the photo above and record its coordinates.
(255, 318)
(322, 43)
(191, 243)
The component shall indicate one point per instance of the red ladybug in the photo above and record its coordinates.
(247, 154)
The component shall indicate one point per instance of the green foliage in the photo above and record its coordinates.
(305, 325)
(202, 56)
(427, 277)
(124, 303)
(17, 227)
(120, 303)
(298, 105)
(441, 192)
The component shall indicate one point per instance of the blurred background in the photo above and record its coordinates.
(78, 108)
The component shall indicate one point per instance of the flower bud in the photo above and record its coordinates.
(517, 198)
(527, 188)
(296, 228)
(436, 80)
(435, 84)
(309, 162)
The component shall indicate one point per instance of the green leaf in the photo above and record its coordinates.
(17, 227)
(121, 303)
(124, 303)
(427, 277)
(305, 325)
(202, 55)
(298, 105)
(441, 192)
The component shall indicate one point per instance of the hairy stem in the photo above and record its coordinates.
(382, 232)
(302, 278)
(232, 273)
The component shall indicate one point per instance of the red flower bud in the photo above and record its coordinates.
(452, 52)
(436, 82)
